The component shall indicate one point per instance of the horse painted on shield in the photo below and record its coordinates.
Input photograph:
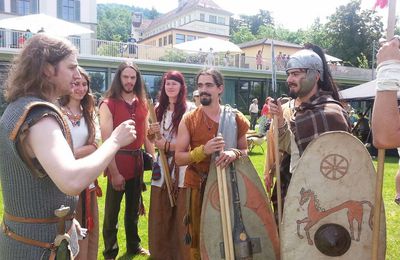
(316, 213)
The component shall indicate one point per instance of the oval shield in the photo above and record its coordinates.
(330, 202)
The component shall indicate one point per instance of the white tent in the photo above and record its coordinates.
(204, 44)
(49, 24)
(330, 58)
(365, 91)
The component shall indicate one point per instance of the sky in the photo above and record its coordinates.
(291, 14)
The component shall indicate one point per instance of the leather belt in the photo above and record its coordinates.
(25, 240)
(136, 152)
(6, 230)
(35, 220)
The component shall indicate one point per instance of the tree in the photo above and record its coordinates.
(252, 22)
(242, 35)
(350, 32)
(114, 20)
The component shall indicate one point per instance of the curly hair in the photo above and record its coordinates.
(27, 72)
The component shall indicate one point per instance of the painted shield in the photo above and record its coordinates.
(254, 210)
(329, 206)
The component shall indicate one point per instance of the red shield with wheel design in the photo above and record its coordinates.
(330, 202)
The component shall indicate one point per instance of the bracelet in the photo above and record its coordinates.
(197, 154)
(388, 76)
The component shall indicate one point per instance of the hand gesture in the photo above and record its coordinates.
(125, 133)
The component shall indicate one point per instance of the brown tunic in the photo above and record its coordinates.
(201, 129)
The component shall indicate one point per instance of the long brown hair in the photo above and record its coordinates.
(180, 105)
(88, 106)
(26, 76)
(116, 86)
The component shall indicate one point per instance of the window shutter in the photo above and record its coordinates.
(14, 6)
(2, 5)
(78, 10)
(59, 9)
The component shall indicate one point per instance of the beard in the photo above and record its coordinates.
(205, 99)
(292, 94)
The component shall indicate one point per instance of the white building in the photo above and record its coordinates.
(192, 19)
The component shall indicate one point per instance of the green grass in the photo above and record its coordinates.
(257, 157)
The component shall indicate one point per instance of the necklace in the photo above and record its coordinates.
(75, 119)
(164, 119)
(131, 107)
(209, 127)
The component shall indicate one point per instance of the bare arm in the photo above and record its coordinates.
(46, 142)
(182, 155)
(385, 116)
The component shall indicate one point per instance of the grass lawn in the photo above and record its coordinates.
(257, 157)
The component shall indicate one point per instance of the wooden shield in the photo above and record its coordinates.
(256, 213)
(328, 209)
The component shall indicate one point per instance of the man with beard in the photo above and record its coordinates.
(315, 108)
(198, 139)
(124, 99)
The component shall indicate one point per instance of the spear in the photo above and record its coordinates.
(381, 152)
(163, 157)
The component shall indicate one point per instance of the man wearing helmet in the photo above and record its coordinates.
(314, 108)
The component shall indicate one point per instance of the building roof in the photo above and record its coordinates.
(189, 5)
(267, 41)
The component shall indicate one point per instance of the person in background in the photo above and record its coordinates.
(265, 119)
(79, 111)
(259, 59)
(362, 128)
(125, 99)
(39, 173)
(166, 227)
(253, 110)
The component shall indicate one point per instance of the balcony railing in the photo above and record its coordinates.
(94, 47)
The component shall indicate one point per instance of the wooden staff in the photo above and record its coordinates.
(163, 157)
(381, 152)
(225, 213)
(277, 170)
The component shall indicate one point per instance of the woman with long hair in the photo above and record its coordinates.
(79, 110)
(166, 227)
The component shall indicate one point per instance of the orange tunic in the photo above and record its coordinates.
(201, 129)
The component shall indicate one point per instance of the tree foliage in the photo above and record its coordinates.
(351, 32)
(114, 20)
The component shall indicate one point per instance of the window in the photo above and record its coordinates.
(170, 39)
(180, 38)
(22, 7)
(202, 17)
(212, 19)
(221, 20)
(190, 38)
(160, 42)
(165, 40)
(69, 10)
